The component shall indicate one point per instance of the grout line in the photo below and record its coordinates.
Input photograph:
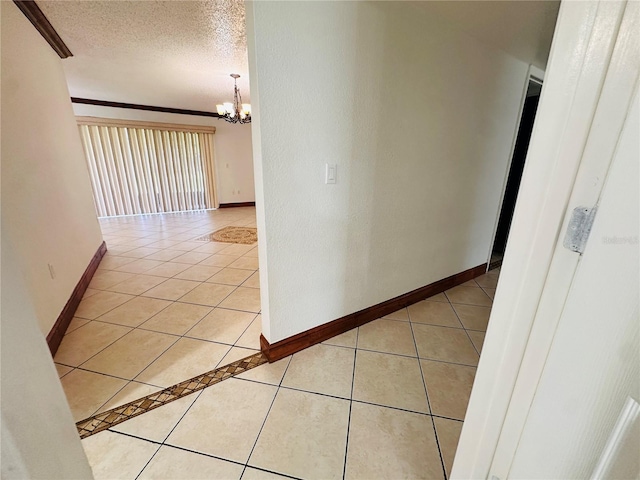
(266, 416)
(426, 391)
(353, 379)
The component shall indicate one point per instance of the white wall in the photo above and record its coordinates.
(39, 438)
(47, 205)
(420, 121)
(234, 161)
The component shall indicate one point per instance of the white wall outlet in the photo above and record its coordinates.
(52, 272)
(331, 173)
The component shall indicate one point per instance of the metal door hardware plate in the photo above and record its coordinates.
(579, 228)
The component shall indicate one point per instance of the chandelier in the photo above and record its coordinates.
(236, 112)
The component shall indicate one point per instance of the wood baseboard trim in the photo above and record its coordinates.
(64, 319)
(318, 334)
(238, 204)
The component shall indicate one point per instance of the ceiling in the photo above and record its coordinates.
(522, 28)
(176, 54)
(179, 54)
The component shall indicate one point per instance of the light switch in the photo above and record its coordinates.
(331, 174)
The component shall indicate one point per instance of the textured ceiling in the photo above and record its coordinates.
(166, 53)
(523, 28)
(180, 53)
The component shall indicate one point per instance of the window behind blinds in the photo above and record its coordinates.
(140, 168)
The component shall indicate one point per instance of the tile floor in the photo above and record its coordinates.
(385, 400)
(161, 308)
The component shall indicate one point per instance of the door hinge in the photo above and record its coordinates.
(579, 229)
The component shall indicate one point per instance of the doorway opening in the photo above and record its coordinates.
(514, 178)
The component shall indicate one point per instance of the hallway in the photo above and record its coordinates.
(384, 400)
(161, 308)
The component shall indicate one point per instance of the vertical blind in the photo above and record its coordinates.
(138, 167)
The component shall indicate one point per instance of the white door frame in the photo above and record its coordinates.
(536, 75)
(580, 58)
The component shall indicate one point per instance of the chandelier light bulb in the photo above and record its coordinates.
(236, 112)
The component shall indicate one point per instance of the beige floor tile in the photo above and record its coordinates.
(251, 336)
(141, 252)
(168, 269)
(103, 279)
(346, 339)
(444, 344)
(127, 357)
(156, 425)
(131, 391)
(236, 249)
(165, 255)
(114, 249)
(255, 474)
(246, 299)
(248, 263)
(401, 314)
(100, 303)
(438, 297)
(491, 292)
(89, 292)
(209, 294)
(252, 253)
(186, 245)
(211, 247)
(468, 296)
(87, 391)
(175, 464)
(235, 410)
(230, 276)
(388, 443)
(136, 285)
(171, 289)
(449, 387)
(115, 456)
(222, 325)
(62, 370)
(473, 317)
(113, 262)
(198, 273)
(433, 313)
(322, 369)
(139, 266)
(304, 436)
(75, 324)
(166, 243)
(487, 281)
(135, 311)
(185, 359)
(235, 354)
(271, 373)
(388, 336)
(219, 260)
(469, 283)
(83, 343)
(448, 435)
(177, 318)
(192, 258)
(389, 380)
(477, 338)
(253, 281)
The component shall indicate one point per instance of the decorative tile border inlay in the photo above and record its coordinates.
(110, 418)
(243, 235)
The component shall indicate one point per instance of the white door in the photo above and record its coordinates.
(561, 353)
(594, 363)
